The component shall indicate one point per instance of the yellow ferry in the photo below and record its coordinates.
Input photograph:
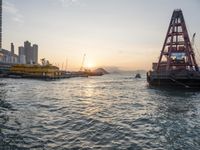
(35, 71)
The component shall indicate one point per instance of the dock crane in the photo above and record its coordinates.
(83, 62)
(193, 40)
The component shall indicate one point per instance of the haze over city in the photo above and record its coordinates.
(123, 33)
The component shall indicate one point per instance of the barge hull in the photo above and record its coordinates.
(184, 83)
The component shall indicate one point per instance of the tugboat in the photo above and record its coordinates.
(177, 65)
(137, 76)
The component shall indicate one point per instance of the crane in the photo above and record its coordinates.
(193, 40)
(83, 62)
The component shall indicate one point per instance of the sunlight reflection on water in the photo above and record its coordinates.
(109, 112)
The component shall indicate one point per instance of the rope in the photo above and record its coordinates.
(180, 83)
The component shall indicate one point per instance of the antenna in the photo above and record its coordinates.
(1, 24)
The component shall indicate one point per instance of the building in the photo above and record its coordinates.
(8, 57)
(21, 50)
(22, 57)
(0, 24)
(31, 53)
(35, 54)
(28, 52)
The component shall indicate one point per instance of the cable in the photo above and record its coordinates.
(180, 83)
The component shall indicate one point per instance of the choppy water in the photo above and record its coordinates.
(109, 112)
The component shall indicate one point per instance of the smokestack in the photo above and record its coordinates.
(12, 48)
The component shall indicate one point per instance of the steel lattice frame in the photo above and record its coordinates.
(177, 40)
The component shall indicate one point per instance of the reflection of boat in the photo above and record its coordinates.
(78, 74)
(177, 64)
(4, 69)
(85, 73)
(67, 74)
(15, 76)
(137, 75)
(92, 73)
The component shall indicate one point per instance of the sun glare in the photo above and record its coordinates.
(89, 65)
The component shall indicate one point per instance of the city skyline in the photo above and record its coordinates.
(111, 33)
(26, 54)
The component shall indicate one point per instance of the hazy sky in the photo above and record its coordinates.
(124, 33)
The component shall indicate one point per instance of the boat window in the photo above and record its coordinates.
(178, 56)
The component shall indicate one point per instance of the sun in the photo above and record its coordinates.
(89, 65)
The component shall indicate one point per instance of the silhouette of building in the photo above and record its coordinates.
(28, 51)
(22, 57)
(35, 53)
(21, 50)
(31, 53)
(0, 24)
(9, 56)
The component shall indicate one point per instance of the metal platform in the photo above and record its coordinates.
(177, 65)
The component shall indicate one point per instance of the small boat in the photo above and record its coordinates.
(137, 75)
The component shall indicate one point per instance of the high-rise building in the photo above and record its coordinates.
(22, 57)
(31, 53)
(28, 52)
(21, 50)
(0, 24)
(35, 53)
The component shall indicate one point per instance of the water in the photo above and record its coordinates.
(109, 112)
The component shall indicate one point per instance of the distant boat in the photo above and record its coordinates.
(86, 72)
(137, 75)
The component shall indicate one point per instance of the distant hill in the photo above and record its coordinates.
(127, 71)
(116, 70)
(101, 71)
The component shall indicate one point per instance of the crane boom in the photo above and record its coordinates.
(83, 61)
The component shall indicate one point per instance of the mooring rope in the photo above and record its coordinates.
(186, 86)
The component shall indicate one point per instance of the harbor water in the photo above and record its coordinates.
(108, 112)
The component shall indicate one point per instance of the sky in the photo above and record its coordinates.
(127, 34)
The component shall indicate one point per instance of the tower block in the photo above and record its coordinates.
(177, 52)
(0, 24)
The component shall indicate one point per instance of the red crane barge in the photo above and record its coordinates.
(177, 65)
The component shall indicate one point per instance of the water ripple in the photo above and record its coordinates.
(109, 112)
